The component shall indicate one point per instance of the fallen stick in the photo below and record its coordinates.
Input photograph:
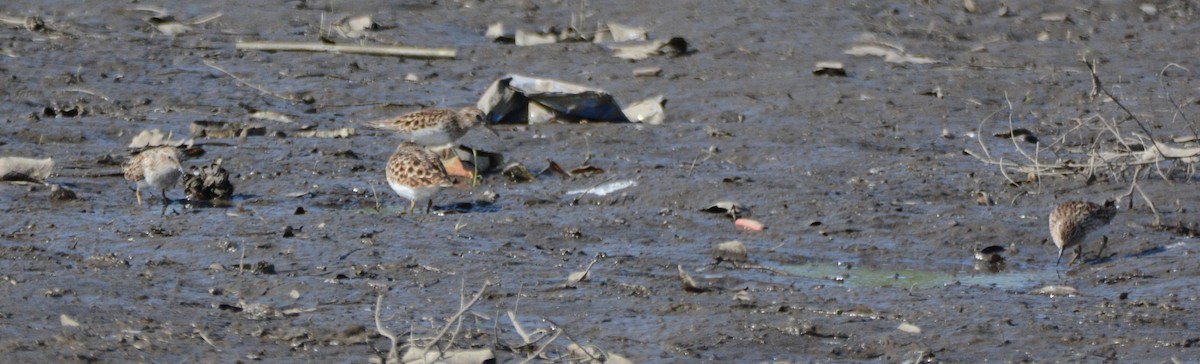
(261, 89)
(393, 355)
(337, 48)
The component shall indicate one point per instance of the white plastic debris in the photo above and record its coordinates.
(649, 111)
(605, 189)
(909, 328)
(18, 168)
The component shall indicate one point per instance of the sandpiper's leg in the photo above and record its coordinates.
(411, 205)
(137, 191)
(1103, 244)
(429, 206)
(1075, 256)
(166, 201)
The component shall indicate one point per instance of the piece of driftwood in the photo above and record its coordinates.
(382, 50)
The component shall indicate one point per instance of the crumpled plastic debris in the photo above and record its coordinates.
(523, 99)
(644, 49)
(627, 42)
(614, 32)
(25, 169)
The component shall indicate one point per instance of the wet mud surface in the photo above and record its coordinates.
(871, 207)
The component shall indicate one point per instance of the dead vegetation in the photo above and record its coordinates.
(1097, 148)
(460, 341)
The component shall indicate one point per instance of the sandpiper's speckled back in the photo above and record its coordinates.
(433, 127)
(158, 167)
(415, 167)
(1073, 222)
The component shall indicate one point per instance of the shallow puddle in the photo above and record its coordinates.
(912, 278)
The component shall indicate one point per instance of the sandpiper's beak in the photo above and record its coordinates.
(489, 128)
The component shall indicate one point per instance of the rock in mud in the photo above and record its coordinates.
(61, 193)
(732, 251)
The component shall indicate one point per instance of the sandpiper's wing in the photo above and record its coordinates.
(415, 120)
(132, 169)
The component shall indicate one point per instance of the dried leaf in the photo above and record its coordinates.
(585, 170)
(830, 69)
(1148, 9)
(297, 311)
(67, 321)
(689, 284)
(983, 199)
(556, 169)
(576, 277)
(517, 172)
(1023, 133)
(744, 297)
(647, 72)
(167, 25)
(582, 275)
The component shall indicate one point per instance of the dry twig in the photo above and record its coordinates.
(393, 355)
(261, 89)
(380, 50)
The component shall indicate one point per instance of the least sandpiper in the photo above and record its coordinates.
(416, 174)
(1074, 222)
(434, 127)
(158, 167)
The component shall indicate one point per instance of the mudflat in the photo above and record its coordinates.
(873, 187)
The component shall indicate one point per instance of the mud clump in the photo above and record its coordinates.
(207, 183)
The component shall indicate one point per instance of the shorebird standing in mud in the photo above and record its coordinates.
(157, 167)
(1073, 223)
(434, 128)
(416, 174)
